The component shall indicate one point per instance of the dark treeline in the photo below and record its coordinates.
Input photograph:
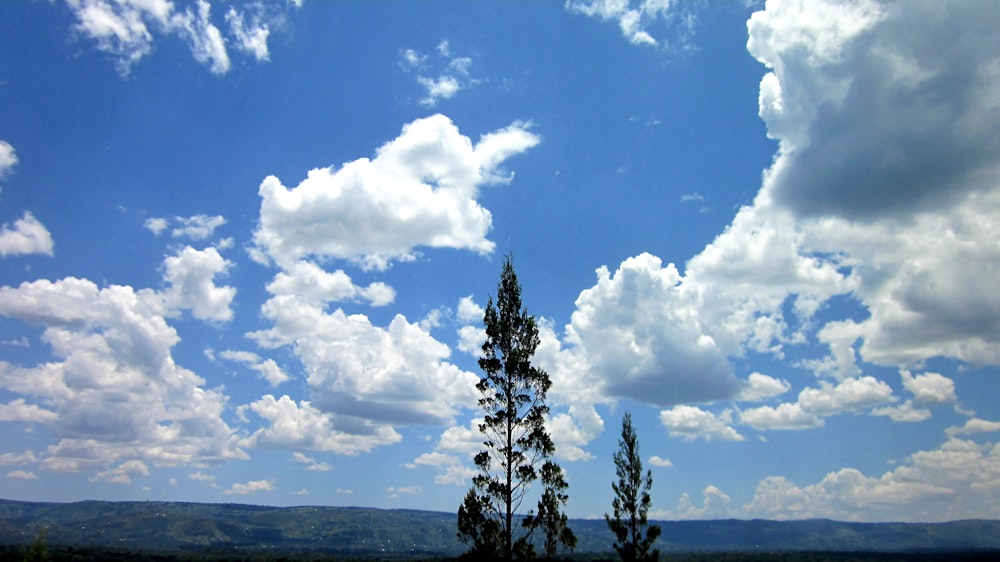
(58, 553)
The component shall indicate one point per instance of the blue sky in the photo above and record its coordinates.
(246, 248)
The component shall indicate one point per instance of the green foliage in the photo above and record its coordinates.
(634, 535)
(38, 552)
(512, 396)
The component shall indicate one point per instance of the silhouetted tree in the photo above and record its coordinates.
(512, 396)
(551, 519)
(630, 525)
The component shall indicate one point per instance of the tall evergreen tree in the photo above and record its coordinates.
(512, 396)
(630, 525)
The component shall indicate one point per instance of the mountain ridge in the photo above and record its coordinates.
(174, 526)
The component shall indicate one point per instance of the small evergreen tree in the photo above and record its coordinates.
(512, 396)
(630, 525)
(551, 519)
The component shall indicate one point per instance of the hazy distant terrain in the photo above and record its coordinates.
(171, 526)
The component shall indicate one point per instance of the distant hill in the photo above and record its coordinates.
(174, 526)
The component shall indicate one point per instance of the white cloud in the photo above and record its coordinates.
(267, 368)
(847, 396)
(190, 275)
(959, 480)
(27, 457)
(123, 473)
(634, 18)
(22, 475)
(419, 190)
(311, 463)
(885, 153)
(252, 38)
(641, 336)
(905, 412)
(18, 411)
(691, 423)
(468, 311)
(117, 391)
(396, 375)
(761, 387)
(301, 426)
(396, 491)
(251, 487)
(929, 388)
(197, 227)
(309, 281)
(452, 75)
(156, 225)
(8, 158)
(974, 426)
(660, 462)
(128, 29)
(27, 236)
(784, 416)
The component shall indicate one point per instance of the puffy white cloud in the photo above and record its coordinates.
(692, 423)
(660, 462)
(395, 375)
(642, 337)
(156, 225)
(929, 388)
(759, 387)
(251, 487)
(127, 29)
(635, 17)
(905, 412)
(784, 416)
(884, 115)
(848, 395)
(310, 282)
(294, 425)
(960, 479)
(191, 277)
(114, 385)
(974, 426)
(27, 236)
(22, 475)
(469, 311)
(419, 190)
(18, 410)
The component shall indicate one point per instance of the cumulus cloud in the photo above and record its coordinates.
(690, 423)
(660, 462)
(292, 425)
(8, 158)
(308, 281)
(643, 339)
(783, 416)
(634, 18)
(884, 113)
(113, 382)
(128, 29)
(419, 190)
(22, 475)
(396, 375)
(26, 236)
(396, 491)
(190, 275)
(958, 480)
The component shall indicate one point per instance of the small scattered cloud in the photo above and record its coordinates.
(397, 491)
(691, 422)
(251, 487)
(442, 76)
(22, 475)
(311, 463)
(673, 22)
(660, 462)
